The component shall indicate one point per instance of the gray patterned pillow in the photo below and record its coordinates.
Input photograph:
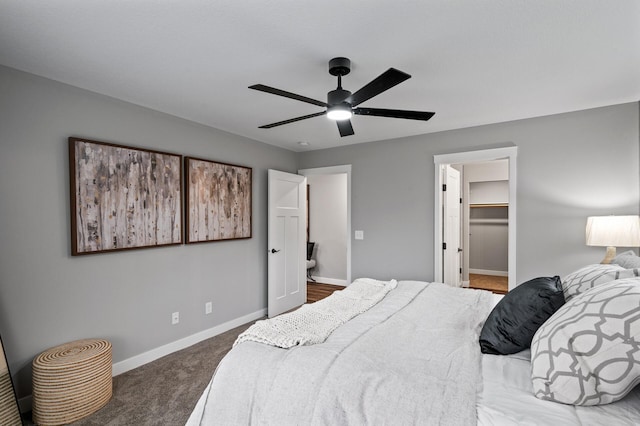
(588, 352)
(590, 276)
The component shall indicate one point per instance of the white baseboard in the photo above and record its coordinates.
(26, 403)
(333, 281)
(169, 348)
(489, 272)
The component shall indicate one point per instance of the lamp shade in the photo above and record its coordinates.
(613, 231)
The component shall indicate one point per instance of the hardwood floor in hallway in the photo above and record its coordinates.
(318, 291)
(498, 285)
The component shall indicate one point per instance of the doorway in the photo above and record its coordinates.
(486, 224)
(504, 207)
(329, 217)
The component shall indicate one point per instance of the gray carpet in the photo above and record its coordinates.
(164, 391)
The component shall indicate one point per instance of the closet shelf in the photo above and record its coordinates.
(489, 205)
(488, 221)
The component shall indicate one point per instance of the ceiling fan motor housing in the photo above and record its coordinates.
(338, 96)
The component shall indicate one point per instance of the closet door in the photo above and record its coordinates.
(451, 228)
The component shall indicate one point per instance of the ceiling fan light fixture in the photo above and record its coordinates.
(341, 104)
(339, 112)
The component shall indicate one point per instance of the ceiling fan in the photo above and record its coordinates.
(341, 104)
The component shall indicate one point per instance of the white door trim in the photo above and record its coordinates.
(510, 153)
(346, 168)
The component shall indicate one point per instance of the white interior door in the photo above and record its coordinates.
(451, 227)
(287, 286)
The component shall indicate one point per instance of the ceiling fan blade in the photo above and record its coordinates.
(292, 120)
(274, 91)
(383, 82)
(345, 127)
(394, 113)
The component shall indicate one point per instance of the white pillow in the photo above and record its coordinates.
(590, 276)
(627, 260)
(588, 352)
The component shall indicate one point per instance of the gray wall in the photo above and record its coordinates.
(328, 225)
(488, 226)
(491, 192)
(488, 240)
(569, 166)
(48, 297)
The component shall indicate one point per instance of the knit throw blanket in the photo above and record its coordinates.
(313, 323)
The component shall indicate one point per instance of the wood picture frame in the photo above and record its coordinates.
(123, 197)
(218, 201)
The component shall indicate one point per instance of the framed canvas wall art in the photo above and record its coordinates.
(123, 197)
(218, 201)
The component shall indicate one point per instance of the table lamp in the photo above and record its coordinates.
(612, 232)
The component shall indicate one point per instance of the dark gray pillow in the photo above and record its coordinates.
(510, 327)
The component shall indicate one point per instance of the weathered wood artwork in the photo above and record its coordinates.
(218, 205)
(122, 197)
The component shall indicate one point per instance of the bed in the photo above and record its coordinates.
(410, 358)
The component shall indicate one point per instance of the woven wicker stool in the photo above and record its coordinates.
(71, 381)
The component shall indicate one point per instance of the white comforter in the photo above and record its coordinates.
(411, 359)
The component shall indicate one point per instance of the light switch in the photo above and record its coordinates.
(359, 235)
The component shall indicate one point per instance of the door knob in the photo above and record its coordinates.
(274, 250)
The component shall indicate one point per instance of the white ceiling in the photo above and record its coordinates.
(473, 62)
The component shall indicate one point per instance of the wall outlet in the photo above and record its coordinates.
(175, 318)
(359, 235)
(208, 308)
